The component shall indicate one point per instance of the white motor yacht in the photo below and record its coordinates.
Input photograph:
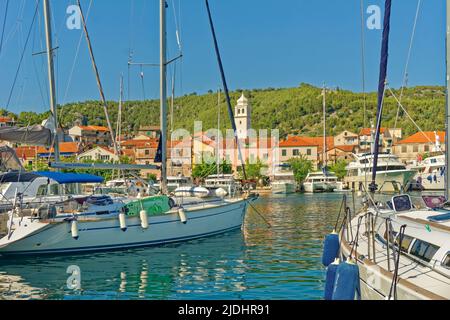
(391, 173)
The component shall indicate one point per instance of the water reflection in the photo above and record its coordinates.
(281, 262)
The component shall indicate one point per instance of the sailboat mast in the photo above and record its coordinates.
(51, 75)
(163, 96)
(218, 132)
(447, 109)
(324, 101)
(381, 89)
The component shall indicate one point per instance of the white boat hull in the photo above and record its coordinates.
(106, 234)
(283, 188)
(384, 180)
(315, 187)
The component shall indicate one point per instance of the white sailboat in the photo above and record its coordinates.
(392, 250)
(123, 224)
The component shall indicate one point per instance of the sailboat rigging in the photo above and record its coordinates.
(103, 222)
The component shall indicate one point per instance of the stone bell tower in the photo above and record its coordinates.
(242, 117)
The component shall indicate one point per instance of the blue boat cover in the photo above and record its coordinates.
(70, 177)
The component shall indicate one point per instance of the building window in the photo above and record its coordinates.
(284, 152)
(415, 148)
(308, 152)
(296, 152)
(426, 148)
(404, 149)
(147, 152)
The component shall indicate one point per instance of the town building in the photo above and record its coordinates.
(242, 117)
(346, 138)
(27, 155)
(91, 136)
(419, 144)
(388, 136)
(7, 122)
(149, 131)
(98, 153)
(66, 150)
(294, 147)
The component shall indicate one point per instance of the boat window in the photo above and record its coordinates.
(42, 190)
(407, 240)
(446, 262)
(424, 250)
(54, 189)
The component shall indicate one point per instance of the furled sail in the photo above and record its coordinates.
(36, 135)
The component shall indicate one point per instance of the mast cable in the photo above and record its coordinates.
(22, 55)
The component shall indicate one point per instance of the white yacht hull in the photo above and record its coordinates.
(283, 188)
(106, 234)
(437, 185)
(315, 187)
(384, 180)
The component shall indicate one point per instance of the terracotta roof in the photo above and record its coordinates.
(26, 152)
(138, 143)
(64, 147)
(368, 131)
(294, 141)
(94, 128)
(345, 148)
(424, 137)
(6, 119)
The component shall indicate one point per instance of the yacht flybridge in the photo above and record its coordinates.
(116, 223)
(391, 249)
(391, 173)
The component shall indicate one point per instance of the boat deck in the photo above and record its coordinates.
(415, 279)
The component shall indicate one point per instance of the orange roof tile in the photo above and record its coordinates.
(94, 128)
(64, 147)
(423, 137)
(345, 148)
(26, 152)
(138, 143)
(6, 119)
(368, 131)
(295, 141)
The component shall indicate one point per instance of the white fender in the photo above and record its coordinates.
(182, 215)
(221, 192)
(74, 229)
(144, 219)
(123, 221)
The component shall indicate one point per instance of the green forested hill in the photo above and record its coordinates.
(291, 110)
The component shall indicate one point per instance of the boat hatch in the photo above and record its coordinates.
(440, 217)
(401, 203)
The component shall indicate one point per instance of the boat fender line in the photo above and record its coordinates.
(123, 221)
(346, 285)
(182, 215)
(330, 248)
(330, 279)
(144, 219)
(74, 229)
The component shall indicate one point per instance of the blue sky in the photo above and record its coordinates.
(264, 43)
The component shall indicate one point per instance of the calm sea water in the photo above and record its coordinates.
(282, 262)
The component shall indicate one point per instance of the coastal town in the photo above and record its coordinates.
(90, 143)
(267, 157)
